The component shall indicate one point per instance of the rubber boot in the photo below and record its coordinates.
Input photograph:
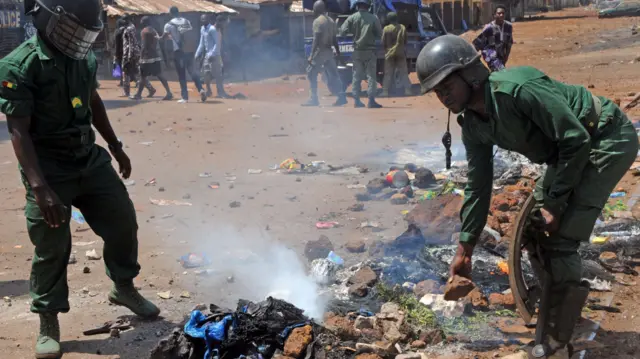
(127, 296)
(48, 344)
(311, 102)
(373, 103)
(357, 103)
(341, 100)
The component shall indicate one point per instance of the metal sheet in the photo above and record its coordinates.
(157, 7)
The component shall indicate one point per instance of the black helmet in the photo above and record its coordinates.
(72, 26)
(445, 55)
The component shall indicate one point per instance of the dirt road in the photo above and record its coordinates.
(255, 244)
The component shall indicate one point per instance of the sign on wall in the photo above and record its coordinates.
(10, 19)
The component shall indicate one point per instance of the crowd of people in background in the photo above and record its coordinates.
(138, 60)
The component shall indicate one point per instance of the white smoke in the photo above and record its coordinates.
(263, 267)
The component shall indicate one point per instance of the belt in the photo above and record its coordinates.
(68, 142)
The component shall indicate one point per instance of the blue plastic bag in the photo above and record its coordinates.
(213, 333)
(117, 71)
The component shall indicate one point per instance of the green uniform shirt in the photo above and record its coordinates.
(538, 117)
(324, 32)
(55, 91)
(394, 38)
(365, 28)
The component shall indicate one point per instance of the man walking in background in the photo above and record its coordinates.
(150, 59)
(394, 38)
(495, 41)
(324, 37)
(117, 61)
(177, 29)
(366, 29)
(209, 53)
(131, 60)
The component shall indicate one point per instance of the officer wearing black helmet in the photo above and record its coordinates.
(587, 142)
(48, 93)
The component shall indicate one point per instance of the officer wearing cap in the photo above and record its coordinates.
(587, 142)
(48, 93)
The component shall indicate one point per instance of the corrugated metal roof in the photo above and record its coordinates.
(156, 7)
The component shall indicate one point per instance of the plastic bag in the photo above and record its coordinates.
(117, 71)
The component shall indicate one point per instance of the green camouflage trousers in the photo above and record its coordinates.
(364, 68)
(614, 147)
(104, 202)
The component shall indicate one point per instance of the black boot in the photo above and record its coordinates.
(340, 101)
(312, 101)
(373, 103)
(357, 103)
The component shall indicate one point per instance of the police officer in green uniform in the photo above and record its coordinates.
(48, 93)
(587, 142)
(366, 29)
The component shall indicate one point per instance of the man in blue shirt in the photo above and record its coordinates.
(210, 53)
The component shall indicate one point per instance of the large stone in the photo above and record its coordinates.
(437, 218)
(364, 322)
(319, 248)
(297, 342)
(376, 185)
(380, 347)
(390, 320)
(341, 326)
(424, 178)
(365, 276)
(368, 356)
(399, 198)
(458, 288)
(418, 344)
(428, 286)
(358, 290)
(355, 246)
(432, 337)
(408, 356)
(478, 299)
(498, 300)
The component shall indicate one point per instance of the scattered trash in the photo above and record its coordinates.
(440, 306)
(326, 225)
(185, 295)
(255, 117)
(129, 182)
(205, 272)
(335, 258)
(370, 224)
(7, 299)
(17, 246)
(234, 204)
(214, 185)
(617, 194)
(147, 143)
(599, 285)
(120, 324)
(166, 202)
(165, 295)
(92, 255)
(205, 175)
(193, 260)
(356, 186)
(151, 182)
(397, 179)
(599, 240)
(77, 217)
(83, 244)
(72, 259)
(606, 308)
(254, 171)
(323, 271)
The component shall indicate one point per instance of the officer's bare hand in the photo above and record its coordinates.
(52, 208)
(552, 222)
(124, 163)
(461, 263)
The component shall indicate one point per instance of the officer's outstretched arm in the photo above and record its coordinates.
(101, 120)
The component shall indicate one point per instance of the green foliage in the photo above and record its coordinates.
(416, 313)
